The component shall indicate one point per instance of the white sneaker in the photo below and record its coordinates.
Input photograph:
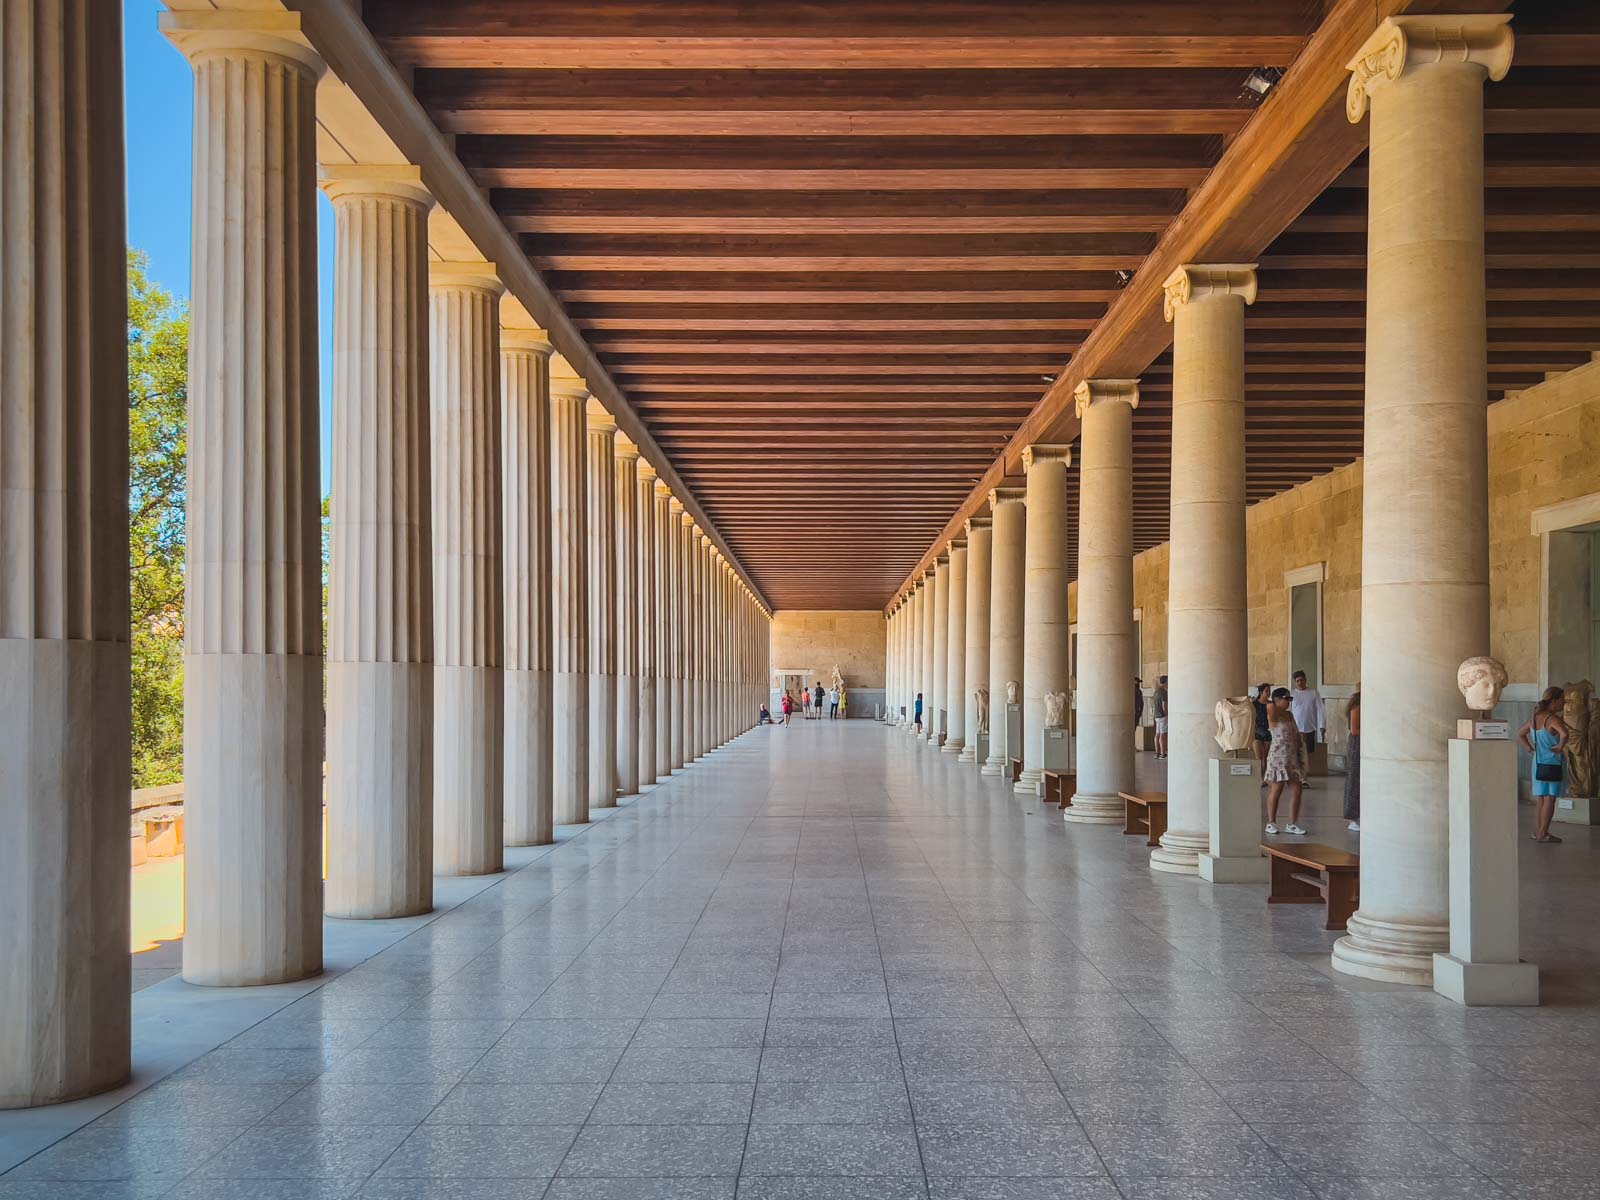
(1295, 829)
(1271, 828)
(1354, 826)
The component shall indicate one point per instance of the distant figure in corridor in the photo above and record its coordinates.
(817, 695)
(788, 706)
(1310, 712)
(1544, 736)
(833, 704)
(1352, 764)
(1286, 762)
(1159, 700)
(1138, 702)
(766, 715)
(919, 712)
(1263, 729)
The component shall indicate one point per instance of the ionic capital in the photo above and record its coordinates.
(1041, 452)
(242, 33)
(1402, 44)
(1105, 391)
(977, 522)
(1006, 495)
(942, 559)
(1194, 282)
(475, 276)
(957, 544)
(520, 340)
(390, 181)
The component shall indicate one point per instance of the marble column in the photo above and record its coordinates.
(253, 609)
(705, 633)
(645, 570)
(930, 641)
(569, 596)
(1105, 599)
(955, 655)
(919, 614)
(1207, 592)
(662, 615)
(380, 582)
(1007, 583)
(1425, 498)
(941, 646)
(626, 533)
(980, 542)
(602, 510)
(1045, 643)
(529, 674)
(676, 542)
(468, 569)
(64, 778)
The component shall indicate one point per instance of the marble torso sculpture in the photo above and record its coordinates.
(982, 695)
(1236, 723)
(1580, 712)
(1482, 680)
(1055, 709)
(1011, 691)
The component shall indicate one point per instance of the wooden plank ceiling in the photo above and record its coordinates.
(834, 252)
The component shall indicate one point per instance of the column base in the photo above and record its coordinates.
(1090, 808)
(994, 766)
(1490, 985)
(1225, 868)
(1390, 952)
(968, 754)
(1179, 853)
(1028, 783)
(952, 747)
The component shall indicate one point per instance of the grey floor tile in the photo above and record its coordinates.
(571, 1031)
(178, 1102)
(481, 1152)
(830, 1031)
(681, 1103)
(830, 1004)
(306, 1152)
(1331, 1101)
(978, 1187)
(1010, 1149)
(988, 1063)
(403, 1064)
(1522, 1149)
(830, 1102)
(656, 1151)
(1174, 1101)
(1246, 1188)
(545, 1064)
(358, 1104)
(1074, 1064)
(1364, 1151)
(516, 1104)
(700, 1032)
(854, 1149)
(53, 1189)
(832, 1187)
(711, 1004)
(383, 1188)
(465, 1033)
(1162, 1150)
(674, 1064)
(861, 1064)
(1449, 1188)
(642, 1189)
(957, 1102)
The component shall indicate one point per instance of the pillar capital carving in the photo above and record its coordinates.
(1105, 391)
(664, 492)
(648, 473)
(478, 276)
(1040, 452)
(252, 33)
(599, 420)
(1006, 495)
(568, 387)
(686, 518)
(942, 559)
(526, 340)
(1405, 43)
(626, 451)
(1194, 282)
(978, 522)
(674, 505)
(959, 543)
(392, 181)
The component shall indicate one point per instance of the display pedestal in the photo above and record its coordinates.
(1234, 855)
(981, 753)
(1013, 731)
(1577, 810)
(1484, 966)
(1055, 752)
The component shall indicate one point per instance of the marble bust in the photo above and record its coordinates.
(1236, 723)
(1011, 691)
(1055, 709)
(1481, 679)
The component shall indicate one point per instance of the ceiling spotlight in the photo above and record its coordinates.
(1047, 378)
(1260, 82)
(1124, 278)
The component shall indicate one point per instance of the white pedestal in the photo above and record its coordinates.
(1055, 751)
(1014, 731)
(1483, 966)
(1235, 854)
(1577, 810)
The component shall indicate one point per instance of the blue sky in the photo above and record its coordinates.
(160, 100)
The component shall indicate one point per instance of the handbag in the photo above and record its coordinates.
(1548, 772)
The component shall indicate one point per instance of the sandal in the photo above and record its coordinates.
(1549, 837)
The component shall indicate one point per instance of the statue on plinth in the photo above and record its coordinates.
(1236, 723)
(1055, 709)
(1580, 713)
(1012, 688)
(838, 679)
(982, 695)
(1482, 680)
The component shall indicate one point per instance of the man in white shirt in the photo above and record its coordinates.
(833, 704)
(1310, 711)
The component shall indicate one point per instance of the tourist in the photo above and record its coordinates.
(788, 706)
(919, 712)
(1544, 736)
(1159, 703)
(1352, 764)
(833, 704)
(1262, 699)
(843, 705)
(1138, 702)
(766, 715)
(818, 698)
(1286, 762)
(1310, 713)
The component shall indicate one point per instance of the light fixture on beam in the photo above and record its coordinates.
(1259, 83)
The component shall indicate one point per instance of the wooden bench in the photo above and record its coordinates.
(1016, 769)
(1059, 786)
(1146, 813)
(1311, 873)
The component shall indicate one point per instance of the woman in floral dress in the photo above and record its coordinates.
(1286, 762)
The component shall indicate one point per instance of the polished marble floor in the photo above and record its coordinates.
(829, 962)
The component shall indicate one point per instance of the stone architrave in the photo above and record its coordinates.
(1208, 592)
(468, 569)
(1045, 643)
(1105, 599)
(1425, 493)
(253, 664)
(980, 541)
(569, 595)
(64, 660)
(529, 676)
(380, 573)
(602, 534)
(1007, 598)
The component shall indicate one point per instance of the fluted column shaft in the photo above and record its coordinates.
(980, 544)
(602, 608)
(468, 571)
(569, 597)
(1007, 583)
(930, 642)
(1207, 591)
(64, 660)
(955, 655)
(530, 630)
(1425, 492)
(1105, 599)
(675, 542)
(662, 615)
(253, 600)
(940, 647)
(380, 575)
(703, 632)
(648, 607)
(1044, 606)
(626, 533)
(914, 651)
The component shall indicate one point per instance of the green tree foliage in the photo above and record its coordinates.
(158, 374)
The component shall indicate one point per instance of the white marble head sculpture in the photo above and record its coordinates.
(1481, 680)
(1011, 691)
(1055, 710)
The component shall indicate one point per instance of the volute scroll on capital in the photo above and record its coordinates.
(978, 522)
(1040, 452)
(1201, 281)
(1105, 391)
(1402, 43)
(1006, 495)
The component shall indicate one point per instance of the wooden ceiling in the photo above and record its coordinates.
(836, 252)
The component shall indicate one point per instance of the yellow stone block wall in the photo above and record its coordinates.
(816, 640)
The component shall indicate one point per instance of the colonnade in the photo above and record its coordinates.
(524, 621)
(1425, 548)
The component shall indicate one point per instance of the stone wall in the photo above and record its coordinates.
(817, 640)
